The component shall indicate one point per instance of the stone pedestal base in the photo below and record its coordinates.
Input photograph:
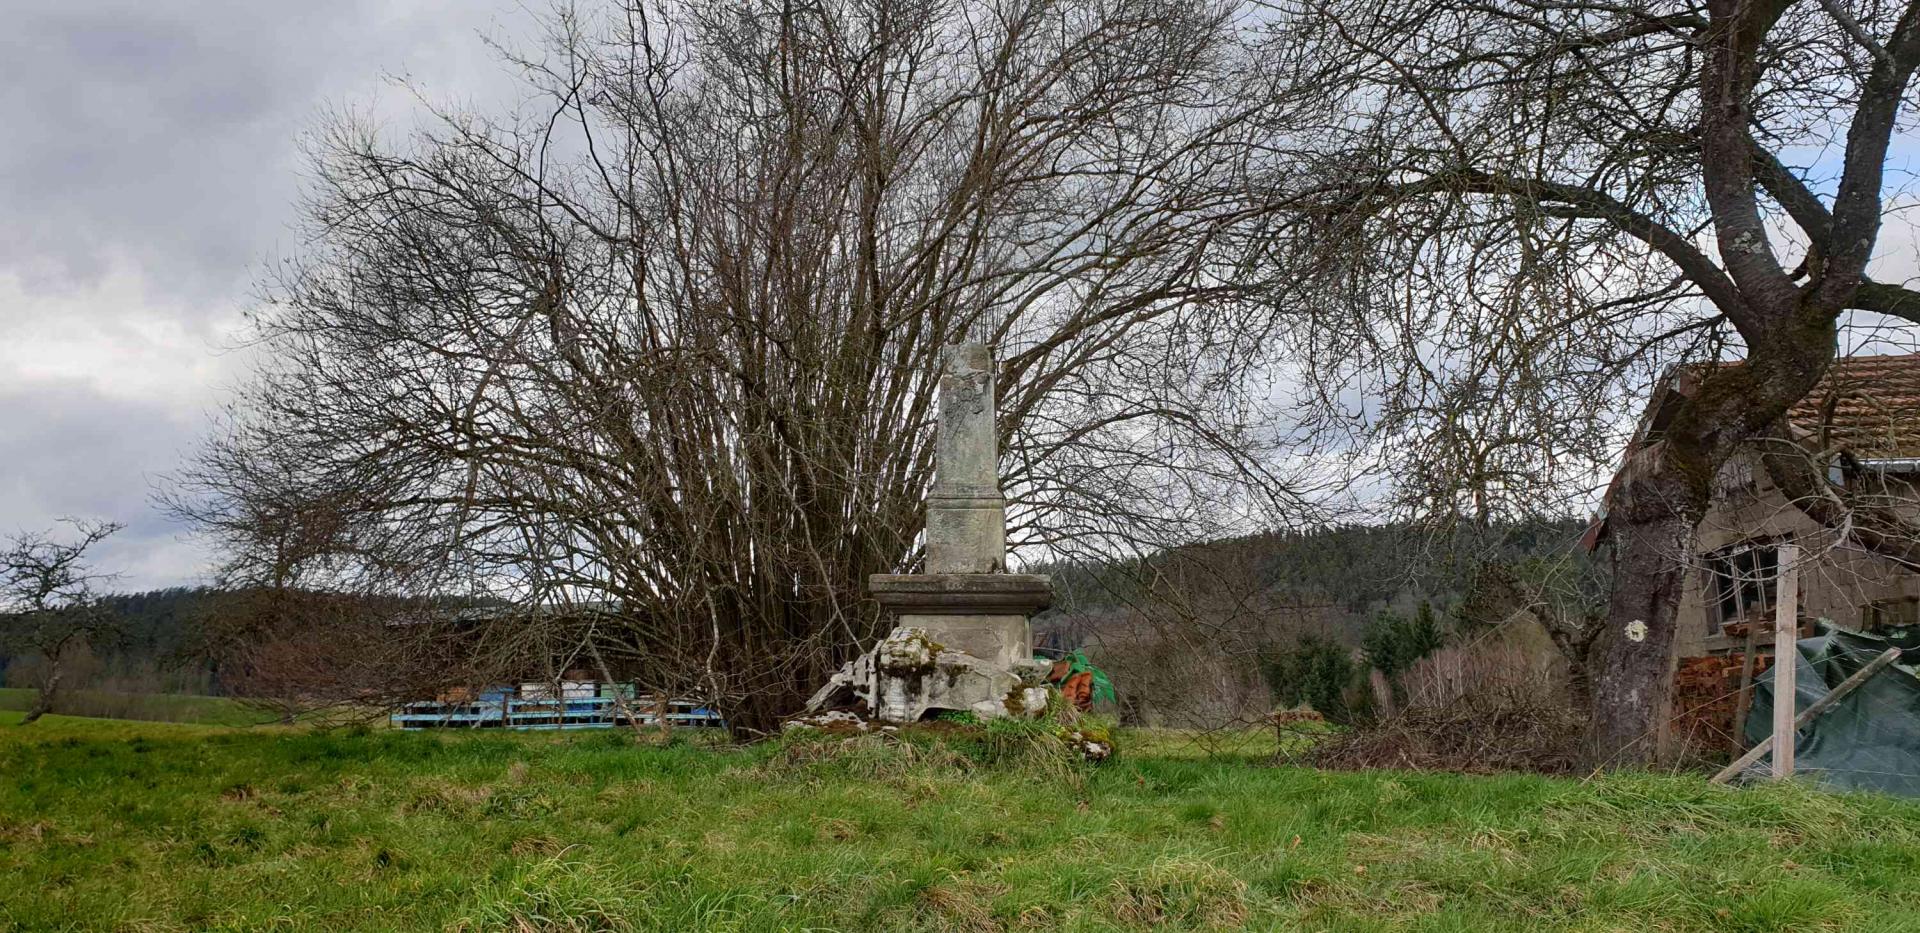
(908, 675)
(981, 614)
(1001, 640)
(962, 643)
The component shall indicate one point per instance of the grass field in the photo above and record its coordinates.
(158, 707)
(115, 825)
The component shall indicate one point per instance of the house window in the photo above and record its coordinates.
(1886, 613)
(1741, 581)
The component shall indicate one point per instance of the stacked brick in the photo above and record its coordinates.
(1706, 693)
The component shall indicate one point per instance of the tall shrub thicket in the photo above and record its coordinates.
(1316, 672)
(662, 345)
(1325, 675)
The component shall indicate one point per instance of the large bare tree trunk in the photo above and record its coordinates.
(1453, 156)
(1631, 686)
(43, 702)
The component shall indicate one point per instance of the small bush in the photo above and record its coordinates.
(1315, 672)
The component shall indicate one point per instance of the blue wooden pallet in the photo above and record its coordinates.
(497, 710)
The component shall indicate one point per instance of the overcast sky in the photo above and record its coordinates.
(148, 171)
(149, 168)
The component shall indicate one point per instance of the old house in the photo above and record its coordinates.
(1866, 415)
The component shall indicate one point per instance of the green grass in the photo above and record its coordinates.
(1248, 745)
(158, 707)
(160, 827)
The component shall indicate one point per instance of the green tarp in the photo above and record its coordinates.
(1870, 740)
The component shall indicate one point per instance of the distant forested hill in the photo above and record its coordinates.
(163, 624)
(159, 649)
(1341, 573)
(1182, 633)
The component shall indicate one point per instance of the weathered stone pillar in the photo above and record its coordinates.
(961, 639)
(966, 515)
(966, 601)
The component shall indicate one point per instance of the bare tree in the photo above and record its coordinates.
(663, 344)
(1516, 215)
(1564, 594)
(337, 656)
(48, 604)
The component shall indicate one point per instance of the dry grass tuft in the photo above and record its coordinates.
(958, 905)
(553, 895)
(1185, 892)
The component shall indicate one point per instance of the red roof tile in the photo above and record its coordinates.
(1869, 405)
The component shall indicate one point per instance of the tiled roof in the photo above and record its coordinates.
(1869, 405)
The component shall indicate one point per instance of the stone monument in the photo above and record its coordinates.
(961, 639)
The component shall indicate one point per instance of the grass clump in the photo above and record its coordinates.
(1036, 747)
(866, 755)
(1053, 746)
(1184, 892)
(555, 894)
(955, 903)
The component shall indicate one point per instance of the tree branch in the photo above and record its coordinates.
(1885, 298)
(1876, 528)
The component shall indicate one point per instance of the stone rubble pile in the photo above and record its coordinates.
(909, 674)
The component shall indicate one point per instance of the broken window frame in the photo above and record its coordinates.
(1743, 581)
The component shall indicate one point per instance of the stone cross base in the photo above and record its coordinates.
(909, 675)
(981, 614)
(962, 644)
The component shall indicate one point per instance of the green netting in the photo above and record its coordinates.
(1870, 740)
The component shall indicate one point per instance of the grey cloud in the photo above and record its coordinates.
(158, 137)
(67, 451)
(165, 132)
(153, 145)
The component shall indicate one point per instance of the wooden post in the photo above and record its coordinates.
(1786, 657)
(1814, 711)
(1743, 702)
